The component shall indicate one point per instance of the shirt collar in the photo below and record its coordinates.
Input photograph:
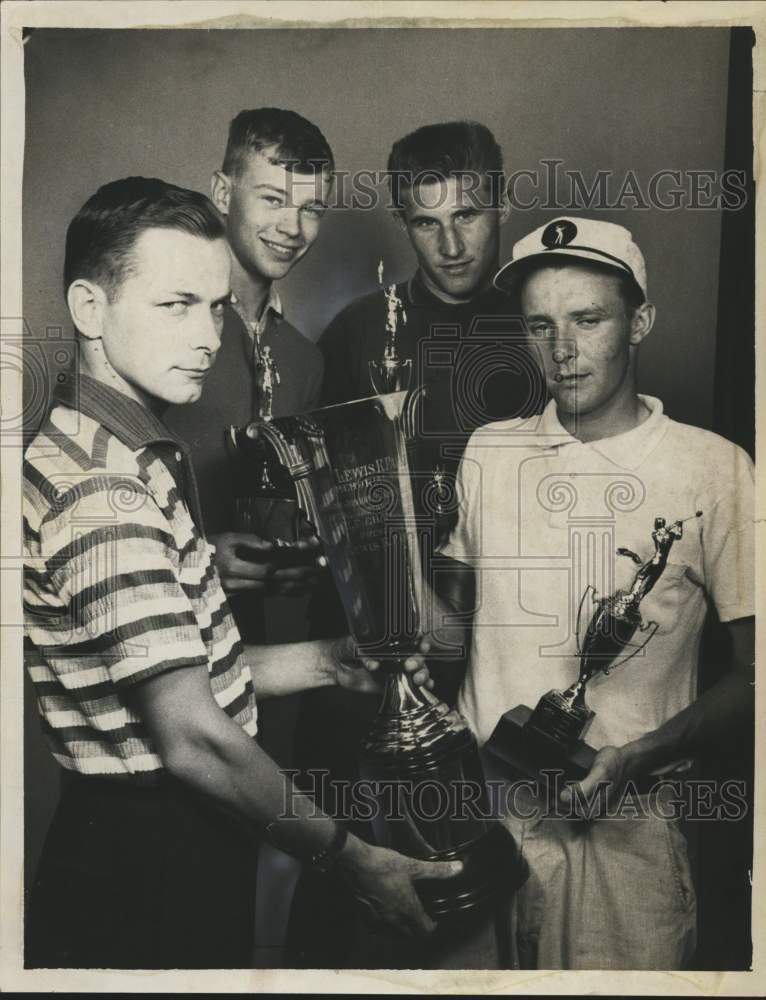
(418, 295)
(130, 422)
(626, 450)
(272, 304)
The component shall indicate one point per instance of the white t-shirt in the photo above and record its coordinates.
(541, 517)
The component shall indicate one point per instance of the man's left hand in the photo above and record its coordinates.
(357, 673)
(610, 765)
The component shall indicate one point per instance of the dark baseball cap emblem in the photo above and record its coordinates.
(558, 234)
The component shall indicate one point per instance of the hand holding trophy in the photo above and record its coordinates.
(550, 737)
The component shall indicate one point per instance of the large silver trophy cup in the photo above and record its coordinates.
(349, 467)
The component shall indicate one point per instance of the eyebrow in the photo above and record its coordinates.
(422, 218)
(270, 187)
(193, 299)
(283, 192)
(536, 317)
(577, 313)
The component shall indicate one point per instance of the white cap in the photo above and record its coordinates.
(589, 239)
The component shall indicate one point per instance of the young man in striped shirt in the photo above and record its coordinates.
(146, 693)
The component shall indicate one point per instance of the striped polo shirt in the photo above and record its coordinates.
(119, 582)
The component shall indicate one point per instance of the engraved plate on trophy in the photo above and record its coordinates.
(550, 737)
(349, 466)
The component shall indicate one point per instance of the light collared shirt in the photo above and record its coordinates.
(542, 515)
(256, 328)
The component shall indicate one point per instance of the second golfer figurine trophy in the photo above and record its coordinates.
(550, 736)
(391, 373)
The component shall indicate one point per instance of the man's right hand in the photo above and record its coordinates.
(264, 568)
(382, 880)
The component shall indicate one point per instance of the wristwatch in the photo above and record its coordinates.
(325, 858)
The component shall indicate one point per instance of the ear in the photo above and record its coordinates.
(86, 302)
(504, 209)
(220, 191)
(399, 219)
(642, 322)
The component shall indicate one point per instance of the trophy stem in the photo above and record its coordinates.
(575, 693)
(400, 694)
(410, 720)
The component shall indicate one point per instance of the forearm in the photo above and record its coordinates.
(231, 768)
(712, 720)
(291, 667)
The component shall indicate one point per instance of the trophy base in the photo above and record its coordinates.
(492, 871)
(528, 750)
(432, 802)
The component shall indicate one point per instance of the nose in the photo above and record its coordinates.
(564, 348)
(289, 223)
(207, 333)
(451, 244)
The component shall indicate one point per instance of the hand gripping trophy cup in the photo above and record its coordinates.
(550, 737)
(348, 464)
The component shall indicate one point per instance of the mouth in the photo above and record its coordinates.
(280, 250)
(198, 373)
(569, 379)
(459, 267)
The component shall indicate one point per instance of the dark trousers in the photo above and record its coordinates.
(141, 878)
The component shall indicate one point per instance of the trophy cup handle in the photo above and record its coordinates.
(589, 589)
(651, 628)
(409, 412)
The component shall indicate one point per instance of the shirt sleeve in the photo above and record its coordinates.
(107, 584)
(464, 542)
(728, 535)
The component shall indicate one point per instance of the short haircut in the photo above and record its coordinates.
(300, 146)
(448, 149)
(630, 292)
(101, 237)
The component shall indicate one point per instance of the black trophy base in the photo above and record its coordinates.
(528, 750)
(493, 870)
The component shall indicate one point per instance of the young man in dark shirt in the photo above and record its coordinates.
(272, 193)
(468, 350)
(447, 193)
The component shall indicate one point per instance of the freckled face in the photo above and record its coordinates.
(579, 321)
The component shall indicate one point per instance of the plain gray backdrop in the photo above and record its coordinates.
(106, 104)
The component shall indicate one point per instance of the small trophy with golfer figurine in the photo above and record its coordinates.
(267, 504)
(391, 373)
(550, 736)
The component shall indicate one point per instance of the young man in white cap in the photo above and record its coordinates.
(546, 503)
